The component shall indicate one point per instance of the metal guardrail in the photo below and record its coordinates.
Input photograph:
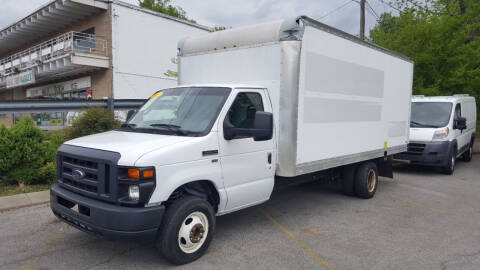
(37, 106)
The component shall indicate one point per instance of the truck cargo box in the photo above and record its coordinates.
(339, 99)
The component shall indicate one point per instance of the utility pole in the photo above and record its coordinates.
(362, 19)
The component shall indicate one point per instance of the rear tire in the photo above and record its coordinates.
(366, 180)
(187, 230)
(348, 180)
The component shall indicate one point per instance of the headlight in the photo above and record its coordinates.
(133, 192)
(441, 134)
(135, 185)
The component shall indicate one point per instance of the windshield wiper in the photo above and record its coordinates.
(130, 126)
(421, 125)
(174, 128)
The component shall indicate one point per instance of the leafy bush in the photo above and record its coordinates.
(94, 120)
(48, 173)
(5, 162)
(27, 156)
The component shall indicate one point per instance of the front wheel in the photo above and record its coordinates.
(467, 156)
(187, 230)
(450, 167)
(366, 180)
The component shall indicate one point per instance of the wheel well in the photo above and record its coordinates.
(203, 189)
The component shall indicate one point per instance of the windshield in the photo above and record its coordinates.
(180, 111)
(430, 114)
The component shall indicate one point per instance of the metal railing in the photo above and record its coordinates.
(64, 44)
(38, 106)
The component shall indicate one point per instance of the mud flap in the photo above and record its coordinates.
(385, 168)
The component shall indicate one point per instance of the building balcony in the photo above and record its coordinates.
(68, 54)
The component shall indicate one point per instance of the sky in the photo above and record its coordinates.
(342, 14)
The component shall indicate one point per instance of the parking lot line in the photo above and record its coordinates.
(415, 204)
(59, 232)
(291, 235)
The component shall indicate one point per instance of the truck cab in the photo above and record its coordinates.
(177, 149)
(442, 129)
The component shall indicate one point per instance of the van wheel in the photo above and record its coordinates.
(450, 167)
(467, 155)
(366, 180)
(348, 180)
(187, 230)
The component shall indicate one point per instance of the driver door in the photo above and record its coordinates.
(248, 166)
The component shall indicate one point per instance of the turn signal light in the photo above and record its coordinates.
(148, 174)
(134, 174)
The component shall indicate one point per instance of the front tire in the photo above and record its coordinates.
(467, 156)
(450, 167)
(187, 230)
(366, 180)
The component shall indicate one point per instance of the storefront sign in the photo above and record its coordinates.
(22, 78)
(58, 90)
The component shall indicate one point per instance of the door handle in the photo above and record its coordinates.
(269, 158)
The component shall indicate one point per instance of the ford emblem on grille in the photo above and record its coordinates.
(78, 174)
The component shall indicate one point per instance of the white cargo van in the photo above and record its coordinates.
(441, 130)
(286, 98)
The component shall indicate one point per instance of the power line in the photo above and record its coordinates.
(336, 9)
(372, 11)
(389, 5)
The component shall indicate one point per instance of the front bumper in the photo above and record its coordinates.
(105, 219)
(427, 153)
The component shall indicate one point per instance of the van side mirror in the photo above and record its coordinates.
(130, 114)
(460, 123)
(262, 128)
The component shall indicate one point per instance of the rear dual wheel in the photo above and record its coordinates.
(366, 180)
(360, 180)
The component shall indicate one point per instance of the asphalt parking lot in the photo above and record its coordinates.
(420, 220)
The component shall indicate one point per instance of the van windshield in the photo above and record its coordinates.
(430, 114)
(185, 111)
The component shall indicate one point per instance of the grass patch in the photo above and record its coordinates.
(7, 190)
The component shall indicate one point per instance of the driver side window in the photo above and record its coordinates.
(243, 109)
(458, 111)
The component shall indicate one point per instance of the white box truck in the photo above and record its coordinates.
(286, 98)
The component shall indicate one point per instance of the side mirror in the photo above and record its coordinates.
(262, 128)
(460, 123)
(130, 113)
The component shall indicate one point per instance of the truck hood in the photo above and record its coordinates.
(421, 134)
(130, 145)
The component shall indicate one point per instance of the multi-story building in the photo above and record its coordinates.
(80, 49)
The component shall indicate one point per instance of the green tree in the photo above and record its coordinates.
(443, 39)
(165, 7)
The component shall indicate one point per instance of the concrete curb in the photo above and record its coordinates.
(24, 200)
